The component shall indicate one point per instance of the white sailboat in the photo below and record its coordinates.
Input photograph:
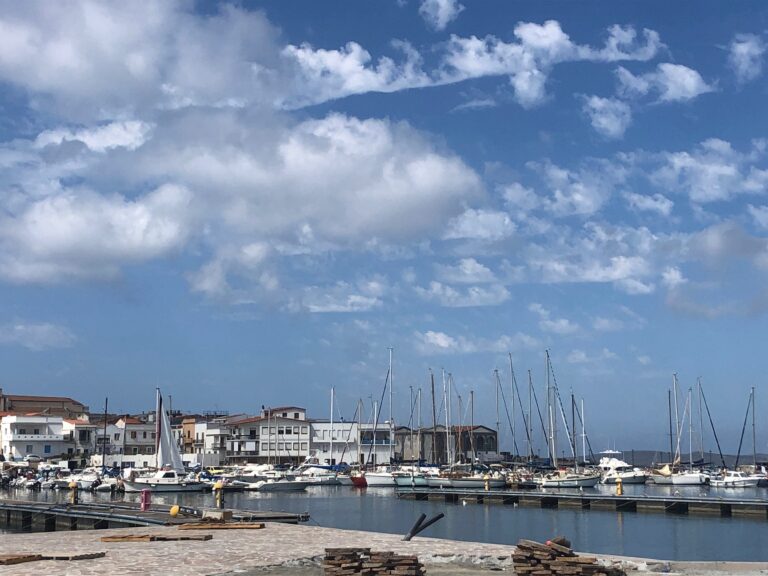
(170, 475)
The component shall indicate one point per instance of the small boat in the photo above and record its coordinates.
(280, 485)
(613, 469)
(163, 481)
(666, 476)
(734, 479)
(382, 479)
(570, 479)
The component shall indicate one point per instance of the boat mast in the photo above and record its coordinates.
(330, 460)
(701, 422)
(690, 429)
(671, 436)
(391, 418)
(434, 420)
(530, 416)
(447, 420)
(472, 425)
(411, 423)
(159, 407)
(104, 445)
(754, 444)
(583, 431)
(498, 384)
(418, 398)
(677, 418)
(552, 421)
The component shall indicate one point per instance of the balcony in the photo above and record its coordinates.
(13, 437)
(369, 442)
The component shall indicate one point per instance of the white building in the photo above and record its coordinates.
(43, 436)
(130, 443)
(209, 444)
(335, 443)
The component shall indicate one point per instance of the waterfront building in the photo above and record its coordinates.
(335, 443)
(277, 436)
(429, 444)
(50, 405)
(377, 444)
(35, 435)
(129, 443)
(80, 435)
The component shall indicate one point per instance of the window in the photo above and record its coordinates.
(285, 414)
(22, 430)
(29, 448)
(144, 434)
(252, 433)
(271, 445)
(153, 435)
(303, 445)
(133, 434)
(84, 435)
(272, 430)
(70, 450)
(135, 450)
(117, 435)
(264, 446)
(281, 430)
(47, 449)
(303, 429)
(295, 445)
(264, 430)
(296, 430)
(279, 445)
(36, 431)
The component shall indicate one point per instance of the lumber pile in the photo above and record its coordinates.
(344, 561)
(556, 558)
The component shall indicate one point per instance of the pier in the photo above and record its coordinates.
(724, 507)
(30, 516)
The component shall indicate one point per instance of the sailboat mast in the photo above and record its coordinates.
(530, 415)
(550, 412)
(513, 389)
(434, 420)
(754, 444)
(158, 409)
(677, 417)
(701, 423)
(472, 425)
(498, 383)
(583, 432)
(418, 398)
(671, 436)
(690, 429)
(391, 417)
(447, 419)
(330, 459)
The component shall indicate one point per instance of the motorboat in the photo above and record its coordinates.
(280, 485)
(380, 479)
(163, 481)
(612, 470)
(734, 479)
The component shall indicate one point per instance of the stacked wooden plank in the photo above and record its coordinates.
(555, 558)
(347, 561)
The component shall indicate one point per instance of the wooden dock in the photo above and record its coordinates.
(723, 507)
(44, 516)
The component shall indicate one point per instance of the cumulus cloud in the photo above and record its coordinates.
(759, 215)
(37, 337)
(560, 326)
(649, 203)
(128, 134)
(466, 271)
(487, 225)
(745, 57)
(713, 171)
(609, 117)
(431, 343)
(439, 13)
(580, 357)
(341, 298)
(472, 296)
(671, 82)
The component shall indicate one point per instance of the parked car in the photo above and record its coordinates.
(32, 458)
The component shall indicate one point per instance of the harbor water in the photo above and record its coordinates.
(647, 535)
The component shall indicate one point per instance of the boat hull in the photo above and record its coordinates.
(570, 482)
(283, 486)
(377, 480)
(411, 481)
(137, 486)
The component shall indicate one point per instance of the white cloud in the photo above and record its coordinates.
(439, 13)
(602, 324)
(609, 117)
(484, 225)
(323, 75)
(434, 343)
(37, 337)
(129, 134)
(671, 277)
(475, 104)
(713, 171)
(581, 192)
(577, 356)
(745, 57)
(466, 271)
(83, 234)
(528, 61)
(650, 203)
(519, 198)
(472, 296)
(341, 298)
(85, 62)
(672, 83)
(560, 326)
(759, 215)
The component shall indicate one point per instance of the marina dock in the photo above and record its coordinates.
(702, 506)
(47, 517)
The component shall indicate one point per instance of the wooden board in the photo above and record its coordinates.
(85, 556)
(212, 526)
(154, 538)
(7, 559)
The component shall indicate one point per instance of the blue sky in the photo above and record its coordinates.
(246, 204)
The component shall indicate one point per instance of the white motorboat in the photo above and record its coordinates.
(280, 485)
(613, 469)
(382, 479)
(734, 479)
(163, 481)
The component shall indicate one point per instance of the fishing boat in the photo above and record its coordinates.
(170, 475)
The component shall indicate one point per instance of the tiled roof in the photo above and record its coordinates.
(22, 398)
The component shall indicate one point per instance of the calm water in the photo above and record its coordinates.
(632, 534)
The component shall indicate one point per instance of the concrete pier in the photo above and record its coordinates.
(693, 506)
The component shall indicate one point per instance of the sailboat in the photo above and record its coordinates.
(170, 475)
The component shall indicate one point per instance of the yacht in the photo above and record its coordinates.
(734, 479)
(613, 469)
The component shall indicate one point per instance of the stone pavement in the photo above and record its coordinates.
(228, 551)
